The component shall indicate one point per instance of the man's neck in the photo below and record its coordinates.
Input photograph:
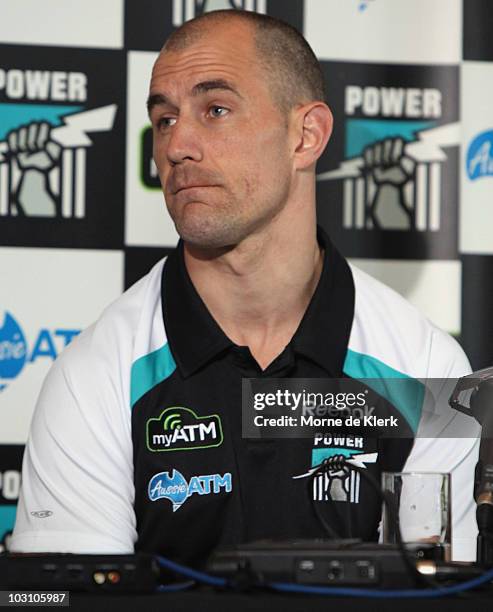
(258, 292)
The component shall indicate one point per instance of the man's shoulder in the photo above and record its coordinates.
(393, 330)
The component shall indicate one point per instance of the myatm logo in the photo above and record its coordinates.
(16, 351)
(178, 428)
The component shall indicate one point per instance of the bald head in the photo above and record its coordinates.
(289, 65)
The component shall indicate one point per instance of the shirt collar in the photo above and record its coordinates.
(323, 334)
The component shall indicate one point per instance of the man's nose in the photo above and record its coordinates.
(185, 142)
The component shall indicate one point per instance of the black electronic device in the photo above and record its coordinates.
(72, 572)
(473, 395)
(320, 562)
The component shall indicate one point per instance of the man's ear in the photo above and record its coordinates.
(313, 127)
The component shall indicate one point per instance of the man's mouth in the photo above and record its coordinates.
(183, 187)
(193, 186)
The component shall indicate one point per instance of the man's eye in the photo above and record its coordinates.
(165, 122)
(218, 111)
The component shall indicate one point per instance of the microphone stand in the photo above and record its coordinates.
(482, 409)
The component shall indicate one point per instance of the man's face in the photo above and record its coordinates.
(220, 141)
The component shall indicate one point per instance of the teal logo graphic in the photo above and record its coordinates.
(392, 174)
(338, 484)
(395, 153)
(174, 487)
(479, 158)
(43, 152)
(178, 428)
(15, 352)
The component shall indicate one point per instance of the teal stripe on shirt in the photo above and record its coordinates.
(150, 370)
(402, 391)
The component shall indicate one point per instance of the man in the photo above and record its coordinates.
(136, 441)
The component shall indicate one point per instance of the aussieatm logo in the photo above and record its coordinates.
(479, 156)
(394, 155)
(179, 428)
(338, 485)
(16, 352)
(175, 487)
(44, 147)
(184, 10)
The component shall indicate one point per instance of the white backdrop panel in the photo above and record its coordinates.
(147, 222)
(47, 293)
(476, 209)
(92, 23)
(432, 286)
(406, 31)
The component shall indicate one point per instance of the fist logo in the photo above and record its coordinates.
(36, 155)
(393, 174)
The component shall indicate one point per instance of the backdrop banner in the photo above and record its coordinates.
(404, 187)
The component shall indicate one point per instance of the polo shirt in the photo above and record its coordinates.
(136, 441)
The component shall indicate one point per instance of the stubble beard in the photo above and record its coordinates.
(221, 226)
(229, 217)
(212, 228)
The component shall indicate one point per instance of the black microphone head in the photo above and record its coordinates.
(482, 402)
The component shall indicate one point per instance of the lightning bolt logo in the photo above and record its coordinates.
(74, 132)
(428, 147)
(60, 160)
